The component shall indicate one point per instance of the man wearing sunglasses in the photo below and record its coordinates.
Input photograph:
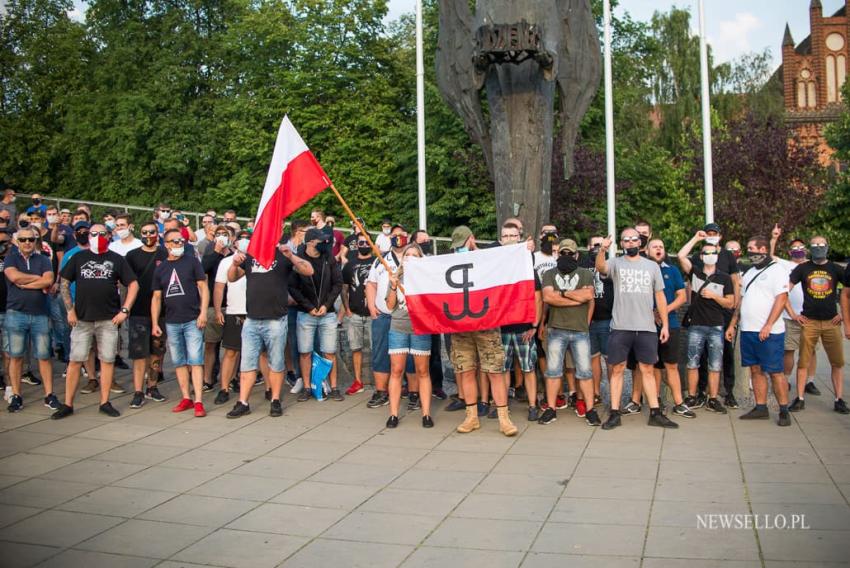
(95, 312)
(358, 321)
(221, 247)
(28, 276)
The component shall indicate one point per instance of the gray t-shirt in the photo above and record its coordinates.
(635, 284)
(400, 317)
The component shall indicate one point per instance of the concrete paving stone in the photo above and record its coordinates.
(94, 471)
(805, 545)
(610, 488)
(437, 480)
(280, 468)
(542, 465)
(349, 434)
(700, 453)
(313, 449)
(43, 493)
(161, 478)
(327, 495)
(687, 514)
(151, 539)
(698, 563)
(384, 528)
(239, 443)
(412, 438)
(429, 556)
(486, 440)
(238, 549)
(118, 501)
(13, 513)
(612, 467)
(198, 510)
(89, 559)
(711, 491)
(326, 552)
(458, 461)
(396, 457)
(76, 447)
(840, 473)
(537, 447)
(622, 450)
(7, 480)
(487, 534)
(20, 555)
(681, 542)
(58, 528)
(14, 441)
(780, 455)
(514, 484)
(210, 460)
(67, 428)
(606, 540)
(244, 487)
(120, 432)
(548, 560)
(510, 507)
(815, 515)
(31, 464)
(790, 473)
(673, 470)
(799, 564)
(139, 453)
(413, 502)
(294, 520)
(178, 437)
(825, 493)
(357, 474)
(601, 511)
(837, 456)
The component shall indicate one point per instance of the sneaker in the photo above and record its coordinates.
(208, 387)
(63, 412)
(613, 421)
(581, 409)
(427, 422)
(234, 385)
(521, 394)
(116, 388)
(597, 400)
(662, 407)
(571, 400)
(483, 408)
(84, 372)
(138, 399)
(51, 402)
(729, 401)
(373, 399)
(268, 394)
(713, 405)
(392, 422)
(30, 379)
(701, 400)
(798, 405)
(16, 403)
(494, 412)
(336, 395)
(561, 402)
(439, 394)
(533, 414)
(90, 387)
(690, 402)
(413, 402)
(304, 395)
(239, 410)
(109, 410)
(200, 412)
(120, 363)
(183, 405)
(222, 397)
(661, 421)
(382, 399)
(592, 418)
(544, 405)
(153, 394)
(683, 411)
(297, 387)
(549, 416)
(511, 392)
(275, 409)
(812, 389)
(404, 392)
(784, 418)
(355, 388)
(259, 380)
(290, 378)
(631, 408)
(756, 414)
(455, 405)
(841, 407)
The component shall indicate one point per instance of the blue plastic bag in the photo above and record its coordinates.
(318, 376)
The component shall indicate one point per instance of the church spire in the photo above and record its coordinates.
(787, 40)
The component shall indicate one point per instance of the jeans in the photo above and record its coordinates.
(309, 326)
(557, 343)
(599, 333)
(186, 343)
(700, 336)
(21, 328)
(61, 332)
(269, 334)
(292, 323)
(380, 343)
(728, 363)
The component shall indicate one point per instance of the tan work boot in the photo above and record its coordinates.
(506, 427)
(471, 422)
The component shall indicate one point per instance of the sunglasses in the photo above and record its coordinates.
(176, 241)
(798, 248)
(99, 233)
(631, 239)
(565, 253)
(148, 233)
(165, 210)
(26, 239)
(818, 245)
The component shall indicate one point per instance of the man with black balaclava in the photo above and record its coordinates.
(547, 257)
(644, 230)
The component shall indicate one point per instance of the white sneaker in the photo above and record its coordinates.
(299, 386)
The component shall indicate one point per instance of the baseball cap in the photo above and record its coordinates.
(314, 234)
(712, 227)
(82, 225)
(568, 245)
(460, 235)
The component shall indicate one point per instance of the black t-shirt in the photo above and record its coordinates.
(354, 275)
(350, 243)
(820, 288)
(143, 264)
(27, 301)
(707, 311)
(320, 289)
(97, 277)
(603, 291)
(267, 292)
(178, 282)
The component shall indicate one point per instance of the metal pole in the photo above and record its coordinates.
(609, 131)
(706, 119)
(420, 117)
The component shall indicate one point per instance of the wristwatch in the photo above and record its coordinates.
(124, 310)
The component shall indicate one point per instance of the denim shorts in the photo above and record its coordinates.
(767, 354)
(21, 328)
(599, 332)
(525, 351)
(380, 343)
(263, 335)
(307, 328)
(401, 343)
(558, 341)
(86, 332)
(698, 337)
(186, 343)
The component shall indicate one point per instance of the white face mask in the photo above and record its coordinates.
(177, 251)
(387, 231)
(36, 225)
(712, 240)
(123, 233)
(53, 219)
(222, 240)
(163, 215)
(243, 245)
(709, 259)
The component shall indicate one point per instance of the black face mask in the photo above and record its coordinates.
(632, 251)
(23, 223)
(644, 240)
(81, 238)
(36, 201)
(323, 247)
(364, 250)
(567, 264)
(426, 247)
(4, 248)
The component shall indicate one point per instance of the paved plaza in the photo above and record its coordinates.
(328, 485)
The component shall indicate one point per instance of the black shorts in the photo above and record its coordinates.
(669, 352)
(541, 350)
(644, 344)
(142, 342)
(231, 336)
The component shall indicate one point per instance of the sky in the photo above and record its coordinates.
(734, 27)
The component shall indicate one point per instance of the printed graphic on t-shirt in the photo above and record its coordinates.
(175, 287)
(258, 268)
(94, 270)
(567, 282)
(634, 281)
(697, 284)
(819, 284)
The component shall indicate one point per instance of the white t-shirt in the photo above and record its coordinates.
(795, 296)
(123, 249)
(757, 300)
(236, 291)
(378, 275)
(543, 263)
(382, 241)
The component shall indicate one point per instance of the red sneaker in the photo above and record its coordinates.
(355, 388)
(199, 410)
(544, 405)
(561, 402)
(184, 404)
(581, 408)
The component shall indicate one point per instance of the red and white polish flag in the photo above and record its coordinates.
(295, 177)
(477, 290)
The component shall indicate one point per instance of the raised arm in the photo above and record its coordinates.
(684, 261)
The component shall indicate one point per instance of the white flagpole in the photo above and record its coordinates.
(706, 120)
(609, 130)
(420, 118)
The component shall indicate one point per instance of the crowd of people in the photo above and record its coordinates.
(82, 290)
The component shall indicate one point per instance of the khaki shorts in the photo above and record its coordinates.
(359, 330)
(85, 333)
(474, 349)
(213, 329)
(792, 335)
(831, 337)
